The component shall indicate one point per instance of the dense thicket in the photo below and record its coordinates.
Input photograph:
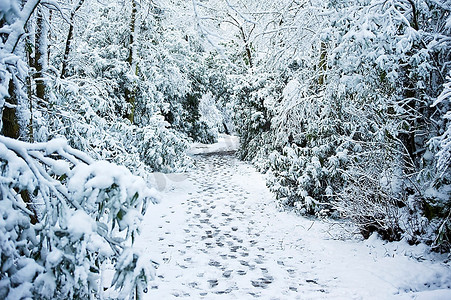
(346, 106)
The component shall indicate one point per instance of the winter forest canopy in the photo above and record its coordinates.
(345, 105)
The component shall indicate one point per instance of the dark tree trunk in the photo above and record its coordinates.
(247, 48)
(322, 63)
(130, 93)
(9, 118)
(40, 53)
(69, 39)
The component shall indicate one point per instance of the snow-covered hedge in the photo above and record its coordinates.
(63, 216)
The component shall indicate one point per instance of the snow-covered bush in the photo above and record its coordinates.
(93, 125)
(183, 112)
(394, 76)
(160, 147)
(308, 151)
(166, 74)
(440, 189)
(254, 99)
(91, 105)
(63, 217)
(444, 153)
(210, 114)
(349, 133)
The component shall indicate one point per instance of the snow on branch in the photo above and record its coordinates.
(444, 154)
(72, 214)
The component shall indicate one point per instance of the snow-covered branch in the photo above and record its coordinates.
(85, 213)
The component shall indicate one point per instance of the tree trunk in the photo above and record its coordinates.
(29, 87)
(414, 24)
(130, 93)
(246, 47)
(40, 53)
(11, 127)
(10, 121)
(132, 33)
(322, 63)
(9, 118)
(69, 39)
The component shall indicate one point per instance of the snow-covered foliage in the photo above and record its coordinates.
(356, 125)
(125, 69)
(345, 104)
(64, 216)
(444, 153)
(443, 145)
(254, 98)
(101, 93)
(210, 113)
(91, 123)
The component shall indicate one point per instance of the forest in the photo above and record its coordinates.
(343, 105)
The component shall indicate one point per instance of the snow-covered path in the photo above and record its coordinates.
(218, 234)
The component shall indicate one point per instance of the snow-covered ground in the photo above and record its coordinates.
(226, 143)
(218, 234)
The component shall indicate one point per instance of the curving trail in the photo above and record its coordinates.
(218, 234)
